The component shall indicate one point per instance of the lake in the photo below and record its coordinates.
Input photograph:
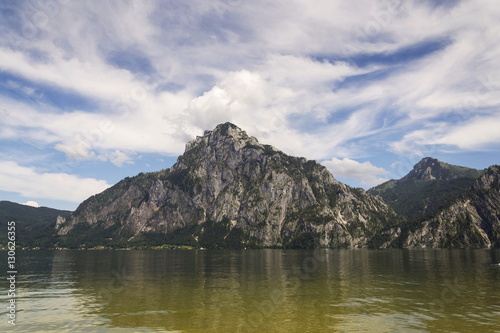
(256, 291)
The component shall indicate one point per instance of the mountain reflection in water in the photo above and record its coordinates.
(257, 291)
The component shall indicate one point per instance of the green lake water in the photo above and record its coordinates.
(255, 291)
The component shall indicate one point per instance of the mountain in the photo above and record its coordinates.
(472, 220)
(429, 169)
(428, 187)
(229, 191)
(35, 227)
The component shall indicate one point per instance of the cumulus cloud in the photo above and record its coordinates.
(279, 100)
(243, 97)
(365, 172)
(32, 183)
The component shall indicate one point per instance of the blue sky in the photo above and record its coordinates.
(94, 91)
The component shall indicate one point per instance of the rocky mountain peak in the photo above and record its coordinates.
(429, 168)
(228, 129)
(427, 187)
(428, 161)
(223, 134)
(228, 190)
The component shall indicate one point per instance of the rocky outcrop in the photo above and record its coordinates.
(228, 190)
(472, 221)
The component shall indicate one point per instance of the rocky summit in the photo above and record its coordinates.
(430, 168)
(229, 191)
(428, 187)
(471, 221)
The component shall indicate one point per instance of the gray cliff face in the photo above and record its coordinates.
(471, 221)
(229, 189)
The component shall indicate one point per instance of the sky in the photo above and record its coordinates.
(95, 91)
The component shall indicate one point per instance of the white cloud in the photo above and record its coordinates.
(262, 102)
(419, 140)
(35, 184)
(481, 133)
(95, 79)
(395, 164)
(86, 135)
(255, 64)
(119, 158)
(242, 97)
(31, 204)
(365, 172)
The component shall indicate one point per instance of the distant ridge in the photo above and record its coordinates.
(35, 226)
(430, 168)
(426, 188)
(446, 205)
(471, 220)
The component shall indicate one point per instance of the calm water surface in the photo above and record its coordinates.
(256, 291)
